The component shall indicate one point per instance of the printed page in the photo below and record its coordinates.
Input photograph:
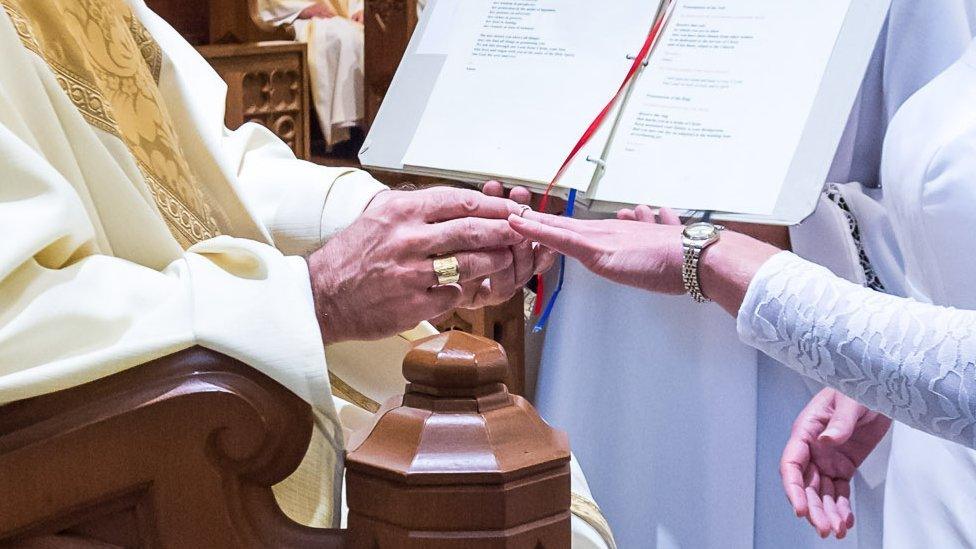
(715, 119)
(522, 81)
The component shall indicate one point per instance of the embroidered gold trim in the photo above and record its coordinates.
(108, 65)
(186, 227)
(346, 392)
(87, 99)
(22, 26)
(587, 510)
(148, 47)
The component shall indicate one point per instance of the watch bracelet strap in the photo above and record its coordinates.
(690, 273)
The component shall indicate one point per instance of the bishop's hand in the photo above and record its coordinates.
(377, 277)
(831, 437)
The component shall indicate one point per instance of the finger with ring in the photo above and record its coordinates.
(448, 270)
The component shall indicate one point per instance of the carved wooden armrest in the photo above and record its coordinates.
(178, 452)
(183, 451)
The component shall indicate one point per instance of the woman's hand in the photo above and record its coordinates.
(357, 17)
(636, 253)
(643, 250)
(831, 437)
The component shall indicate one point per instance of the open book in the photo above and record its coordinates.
(738, 108)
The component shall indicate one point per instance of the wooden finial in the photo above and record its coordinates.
(458, 461)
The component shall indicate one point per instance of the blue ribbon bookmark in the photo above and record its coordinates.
(550, 305)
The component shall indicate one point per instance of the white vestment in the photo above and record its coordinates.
(904, 357)
(108, 257)
(684, 428)
(929, 191)
(335, 58)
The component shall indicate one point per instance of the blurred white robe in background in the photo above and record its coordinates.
(335, 59)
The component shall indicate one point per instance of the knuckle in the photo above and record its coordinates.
(469, 202)
(405, 240)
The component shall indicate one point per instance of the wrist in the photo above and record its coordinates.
(380, 198)
(324, 294)
(674, 267)
(727, 268)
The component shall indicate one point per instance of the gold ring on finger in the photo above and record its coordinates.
(448, 270)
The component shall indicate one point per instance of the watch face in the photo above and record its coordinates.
(700, 231)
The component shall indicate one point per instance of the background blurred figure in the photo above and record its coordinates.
(333, 30)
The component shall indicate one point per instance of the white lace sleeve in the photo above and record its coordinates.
(912, 361)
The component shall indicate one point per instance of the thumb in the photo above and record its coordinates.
(843, 421)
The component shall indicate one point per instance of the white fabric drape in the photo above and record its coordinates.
(336, 60)
(92, 282)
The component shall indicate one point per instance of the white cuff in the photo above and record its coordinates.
(348, 197)
(754, 294)
(313, 210)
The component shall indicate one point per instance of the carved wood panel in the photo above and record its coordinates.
(267, 83)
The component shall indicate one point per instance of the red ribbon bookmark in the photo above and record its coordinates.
(600, 118)
(592, 129)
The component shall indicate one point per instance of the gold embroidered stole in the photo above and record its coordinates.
(108, 64)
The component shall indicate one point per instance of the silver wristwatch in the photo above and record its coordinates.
(695, 238)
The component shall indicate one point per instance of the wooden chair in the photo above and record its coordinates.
(183, 451)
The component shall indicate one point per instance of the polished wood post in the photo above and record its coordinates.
(458, 461)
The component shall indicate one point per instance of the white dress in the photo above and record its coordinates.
(647, 401)
(913, 359)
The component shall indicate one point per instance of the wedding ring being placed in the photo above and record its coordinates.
(524, 209)
(448, 270)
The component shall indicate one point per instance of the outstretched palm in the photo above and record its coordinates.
(831, 437)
